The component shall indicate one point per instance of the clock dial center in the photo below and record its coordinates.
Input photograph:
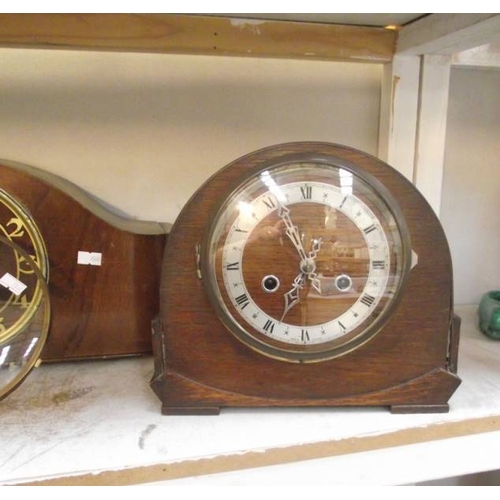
(307, 266)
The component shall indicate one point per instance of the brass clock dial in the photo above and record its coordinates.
(305, 258)
(18, 227)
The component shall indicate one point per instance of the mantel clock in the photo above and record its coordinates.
(306, 274)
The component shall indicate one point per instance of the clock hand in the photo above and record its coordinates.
(308, 266)
(307, 262)
(292, 231)
(315, 248)
(315, 281)
(292, 297)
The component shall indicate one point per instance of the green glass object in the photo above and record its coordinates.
(489, 314)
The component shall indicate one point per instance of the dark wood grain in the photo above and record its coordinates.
(406, 363)
(96, 311)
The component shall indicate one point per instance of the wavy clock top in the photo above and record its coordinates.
(91, 203)
(99, 308)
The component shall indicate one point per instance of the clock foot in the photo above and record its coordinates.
(440, 408)
(186, 410)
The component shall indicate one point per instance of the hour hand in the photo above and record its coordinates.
(292, 297)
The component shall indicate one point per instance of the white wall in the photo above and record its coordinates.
(470, 209)
(143, 131)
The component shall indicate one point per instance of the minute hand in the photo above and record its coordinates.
(292, 231)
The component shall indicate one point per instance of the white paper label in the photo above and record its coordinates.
(89, 258)
(13, 284)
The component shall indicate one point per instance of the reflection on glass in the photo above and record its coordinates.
(346, 181)
(273, 187)
(3, 355)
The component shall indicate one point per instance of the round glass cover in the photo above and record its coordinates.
(24, 314)
(305, 260)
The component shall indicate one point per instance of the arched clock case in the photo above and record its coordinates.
(306, 274)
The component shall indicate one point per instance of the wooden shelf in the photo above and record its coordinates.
(197, 34)
(99, 422)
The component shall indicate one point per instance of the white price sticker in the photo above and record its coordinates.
(89, 258)
(13, 284)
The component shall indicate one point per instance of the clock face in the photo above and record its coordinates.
(305, 259)
(20, 288)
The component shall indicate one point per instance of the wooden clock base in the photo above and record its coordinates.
(428, 393)
(439, 380)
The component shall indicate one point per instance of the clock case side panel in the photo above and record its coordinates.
(96, 311)
(199, 356)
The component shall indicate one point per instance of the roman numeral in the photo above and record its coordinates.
(304, 336)
(242, 300)
(238, 230)
(234, 266)
(306, 192)
(369, 229)
(269, 326)
(378, 264)
(269, 202)
(342, 327)
(368, 300)
(343, 201)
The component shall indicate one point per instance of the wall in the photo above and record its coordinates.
(143, 131)
(470, 210)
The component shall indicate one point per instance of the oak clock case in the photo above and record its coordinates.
(306, 274)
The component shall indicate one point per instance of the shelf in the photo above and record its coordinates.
(98, 422)
(198, 34)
